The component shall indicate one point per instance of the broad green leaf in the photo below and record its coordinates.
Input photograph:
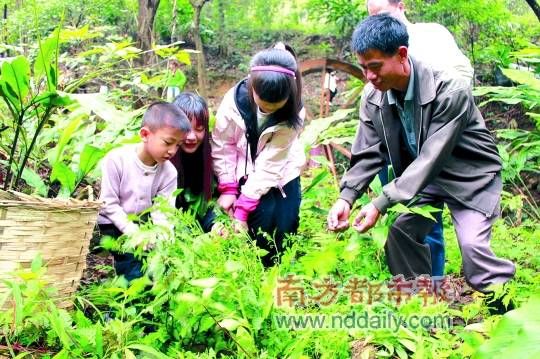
(509, 134)
(266, 292)
(409, 344)
(128, 354)
(19, 304)
(52, 99)
(522, 77)
(204, 282)
(35, 181)
(26, 276)
(46, 61)
(96, 104)
(402, 354)
(60, 99)
(351, 251)
(316, 127)
(315, 181)
(484, 90)
(81, 320)
(99, 341)
(321, 261)
(399, 208)
(90, 157)
(148, 350)
(425, 211)
(63, 174)
(207, 292)
(245, 340)
(137, 287)
(62, 354)
(15, 81)
(86, 337)
(187, 297)
(78, 34)
(183, 57)
(37, 263)
(233, 266)
(65, 136)
(229, 324)
(379, 234)
(517, 334)
(45, 98)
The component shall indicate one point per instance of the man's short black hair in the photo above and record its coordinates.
(379, 32)
(163, 114)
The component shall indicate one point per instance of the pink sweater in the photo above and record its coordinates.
(128, 186)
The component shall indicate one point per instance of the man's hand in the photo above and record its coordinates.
(367, 217)
(226, 201)
(338, 217)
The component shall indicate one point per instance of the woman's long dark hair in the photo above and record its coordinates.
(273, 86)
(195, 170)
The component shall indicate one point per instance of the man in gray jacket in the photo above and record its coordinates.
(425, 124)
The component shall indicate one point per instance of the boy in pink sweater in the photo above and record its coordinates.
(133, 175)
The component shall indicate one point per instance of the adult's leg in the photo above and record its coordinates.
(435, 241)
(405, 250)
(481, 266)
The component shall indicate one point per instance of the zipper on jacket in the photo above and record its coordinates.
(247, 152)
(282, 191)
(419, 133)
(386, 140)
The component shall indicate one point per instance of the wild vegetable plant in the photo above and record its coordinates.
(31, 97)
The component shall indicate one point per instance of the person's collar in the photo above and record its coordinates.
(409, 95)
(141, 164)
(260, 113)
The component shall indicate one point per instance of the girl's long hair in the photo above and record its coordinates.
(195, 170)
(273, 86)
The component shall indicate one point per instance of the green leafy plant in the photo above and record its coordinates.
(31, 98)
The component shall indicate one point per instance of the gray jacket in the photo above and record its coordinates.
(455, 150)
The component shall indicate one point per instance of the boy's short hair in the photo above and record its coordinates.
(163, 114)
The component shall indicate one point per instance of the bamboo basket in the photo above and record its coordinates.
(60, 230)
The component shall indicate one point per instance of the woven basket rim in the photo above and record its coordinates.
(17, 199)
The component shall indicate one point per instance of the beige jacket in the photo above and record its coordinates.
(280, 155)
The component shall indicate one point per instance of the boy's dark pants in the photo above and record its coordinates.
(277, 216)
(407, 254)
(124, 263)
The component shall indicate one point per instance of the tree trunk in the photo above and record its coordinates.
(145, 29)
(6, 53)
(223, 49)
(201, 62)
(535, 7)
(173, 22)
